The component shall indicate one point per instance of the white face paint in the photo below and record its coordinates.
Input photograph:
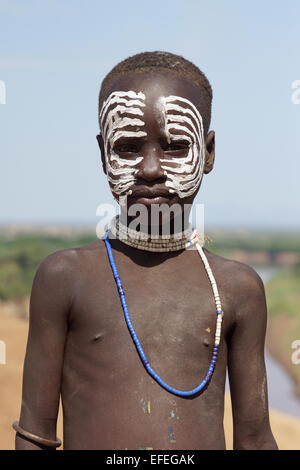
(179, 114)
(114, 126)
(175, 113)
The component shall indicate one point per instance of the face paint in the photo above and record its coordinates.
(121, 116)
(179, 114)
(114, 126)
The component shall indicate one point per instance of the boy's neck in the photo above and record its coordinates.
(165, 227)
(167, 237)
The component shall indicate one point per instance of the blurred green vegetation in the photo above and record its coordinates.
(283, 293)
(283, 299)
(21, 253)
(273, 242)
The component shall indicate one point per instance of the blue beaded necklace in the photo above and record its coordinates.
(143, 357)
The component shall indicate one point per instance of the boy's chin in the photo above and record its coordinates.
(128, 200)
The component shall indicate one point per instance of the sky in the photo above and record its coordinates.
(54, 55)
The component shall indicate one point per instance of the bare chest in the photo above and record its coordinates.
(171, 306)
(173, 312)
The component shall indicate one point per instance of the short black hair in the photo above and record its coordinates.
(160, 61)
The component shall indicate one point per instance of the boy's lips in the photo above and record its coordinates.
(149, 196)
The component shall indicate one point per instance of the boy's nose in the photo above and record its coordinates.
(150, 167)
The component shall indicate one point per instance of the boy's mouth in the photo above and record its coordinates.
(147, 196)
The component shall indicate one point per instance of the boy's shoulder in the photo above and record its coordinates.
(239, 281)
(232, 269)
(70, 261)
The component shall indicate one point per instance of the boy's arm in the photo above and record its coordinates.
(246, 366)
(50, 302)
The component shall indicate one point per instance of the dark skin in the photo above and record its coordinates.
(79, 345)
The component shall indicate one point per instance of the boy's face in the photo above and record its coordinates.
(153, 144)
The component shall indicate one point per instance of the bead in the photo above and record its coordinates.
(162, 244)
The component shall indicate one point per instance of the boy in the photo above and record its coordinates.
(154, 114)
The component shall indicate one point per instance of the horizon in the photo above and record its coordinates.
(89, 225)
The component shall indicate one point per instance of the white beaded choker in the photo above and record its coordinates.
(149, 242)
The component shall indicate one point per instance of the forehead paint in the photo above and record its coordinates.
(114, 126)
(179, 114)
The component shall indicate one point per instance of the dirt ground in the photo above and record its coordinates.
(13, 331)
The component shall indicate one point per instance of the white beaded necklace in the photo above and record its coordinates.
(194, 240)
(149, 242)
(168, 243)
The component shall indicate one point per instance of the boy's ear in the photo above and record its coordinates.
(101, 146)
(209, 152)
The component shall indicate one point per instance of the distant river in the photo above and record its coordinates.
(281, 388)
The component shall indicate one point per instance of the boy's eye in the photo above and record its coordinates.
(177, 146)
(126, 148)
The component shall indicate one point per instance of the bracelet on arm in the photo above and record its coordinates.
(35, 438)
